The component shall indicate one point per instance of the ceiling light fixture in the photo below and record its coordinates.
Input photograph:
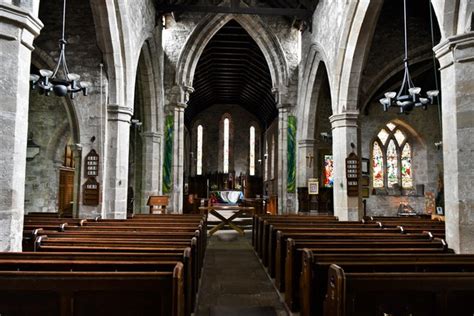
(409, 95)
(61, 84)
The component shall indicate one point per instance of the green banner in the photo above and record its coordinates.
(168, 158)
(291, 164)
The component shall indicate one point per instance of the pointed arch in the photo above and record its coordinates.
(260, 32)
(314, 70)
(359, 31)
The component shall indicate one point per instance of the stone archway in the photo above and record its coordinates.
(272, 50)
(205, 30)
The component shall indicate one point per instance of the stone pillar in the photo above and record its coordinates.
(116, 161)
(151, 169)
(18, 28)
(282, 159)
(344, 141)
(176, 201)
(456, 57)
(306, 161)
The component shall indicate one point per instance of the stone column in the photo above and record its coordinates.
(282, 158)
(344, 141)
(456, 57)
(176, 203)
(306, 161)
(151, 168)
(18, 28)
(116, 161)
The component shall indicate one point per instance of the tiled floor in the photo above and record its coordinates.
(233, 281)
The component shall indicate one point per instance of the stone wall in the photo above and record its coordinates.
(271, 184)
(85, 113)
(49, 129)
(241, 121)
(422, 128)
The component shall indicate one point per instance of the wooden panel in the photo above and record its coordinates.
(66, 190)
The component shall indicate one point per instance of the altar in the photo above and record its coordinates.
(228, 197)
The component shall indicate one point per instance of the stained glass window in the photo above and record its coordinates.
(407, 180)
(391, 126)
(392, 164)
(391, 159)
(328, 179)
(226, 145)
(377, 166)
(400, 137)
(383, 135)
(252, 151)
(199, 150)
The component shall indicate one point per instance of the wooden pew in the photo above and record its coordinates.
(415, 293)
(131, 234)
(259, 221)
(280, 249)
(293, 267)
(269, 229)
(92, 293)
(315, 270)
(270, 234)
(270, 249)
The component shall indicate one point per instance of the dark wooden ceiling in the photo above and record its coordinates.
(298, 12)
(233, 70)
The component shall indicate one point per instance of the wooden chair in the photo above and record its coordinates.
(158, 204)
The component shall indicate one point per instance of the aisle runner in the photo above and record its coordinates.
(233, 281)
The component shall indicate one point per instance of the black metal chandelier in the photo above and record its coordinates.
(409, 95)
(52, 81)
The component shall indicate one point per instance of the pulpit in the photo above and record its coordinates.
(158, 204)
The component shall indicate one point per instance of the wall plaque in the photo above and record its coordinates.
(90, 192)
(92, 164)
(352, 174)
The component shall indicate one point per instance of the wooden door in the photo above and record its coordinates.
(66, 190)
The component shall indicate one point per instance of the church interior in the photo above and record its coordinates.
(237, 157)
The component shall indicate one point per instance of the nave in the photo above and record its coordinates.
(167, 265)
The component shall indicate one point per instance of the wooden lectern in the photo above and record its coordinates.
(158, 204)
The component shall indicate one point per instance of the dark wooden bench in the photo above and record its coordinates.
(269, 230)
(64, 293)
(288, 278)
(279, 250)
(313, 283)
(259, 221)
(270, 249)
(399, 293)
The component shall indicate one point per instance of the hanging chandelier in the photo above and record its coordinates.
(60, 82)
(409, 95)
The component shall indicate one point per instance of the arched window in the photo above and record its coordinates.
(391, 159)
(252, 151)
(199, 150)
(226, 146)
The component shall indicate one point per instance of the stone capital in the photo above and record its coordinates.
(154, 136)
(346, 119)
(455, 49)
(19, 18)
(119, 113)
(304, 143)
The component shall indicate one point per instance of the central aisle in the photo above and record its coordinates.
(233, 281)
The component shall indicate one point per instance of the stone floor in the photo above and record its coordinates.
(234, 282)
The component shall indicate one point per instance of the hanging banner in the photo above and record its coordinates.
(168, 155)
(291, 164)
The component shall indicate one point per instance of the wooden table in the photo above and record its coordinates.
(238, 210)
